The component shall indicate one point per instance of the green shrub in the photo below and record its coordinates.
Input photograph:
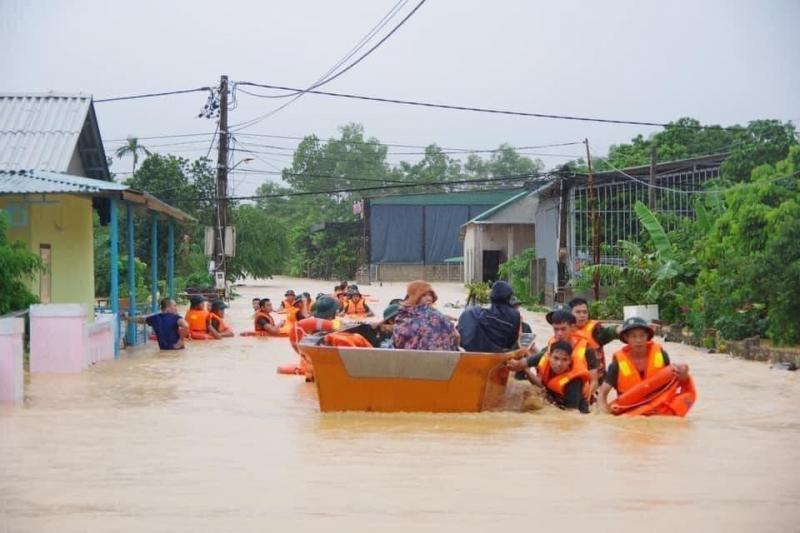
(478, 293)
(517, 272)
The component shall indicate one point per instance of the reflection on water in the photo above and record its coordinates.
(212, 439)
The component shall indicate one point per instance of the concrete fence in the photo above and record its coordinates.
(11, 353)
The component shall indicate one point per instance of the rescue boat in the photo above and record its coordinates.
(382, 380)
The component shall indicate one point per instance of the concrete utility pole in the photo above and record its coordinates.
(651, 191)
(595, 222)
(222, 178)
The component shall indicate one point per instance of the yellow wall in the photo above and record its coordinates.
(66, 225)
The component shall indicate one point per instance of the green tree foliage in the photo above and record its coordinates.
(750, 260)
(517, 272)
(261, 244)
(17, 264)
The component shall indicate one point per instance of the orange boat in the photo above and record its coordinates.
(372, 379)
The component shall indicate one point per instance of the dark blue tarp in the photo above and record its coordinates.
(396, 234)
(401, 234)
(442, 224)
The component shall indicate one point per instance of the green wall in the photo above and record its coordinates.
(65, 223)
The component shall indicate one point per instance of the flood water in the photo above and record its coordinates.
(212, 439)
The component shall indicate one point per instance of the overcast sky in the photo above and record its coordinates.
(723, 62)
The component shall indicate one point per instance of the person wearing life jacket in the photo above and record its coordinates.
(563, 322)
(290, 303)
(355, 304)
(264, 324)
(197, 317)
(641, 360)
(256, 303)
(216, 321)
(305, 306)
(323, 321)
(596, 335)
(563, 375)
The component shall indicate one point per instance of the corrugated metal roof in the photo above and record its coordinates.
(41, 131)
(492, 197)
(45, 182)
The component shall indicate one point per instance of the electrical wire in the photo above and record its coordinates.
(453, 107)
(331, 77)
(681, 191)
(150, 95)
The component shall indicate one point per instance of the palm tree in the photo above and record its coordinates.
(133, 147)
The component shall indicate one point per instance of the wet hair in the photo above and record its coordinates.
(562, 346)
(562, 317)
(216, 306)
(578, 301)
(164, 303)
(257, 300)
(264, 301)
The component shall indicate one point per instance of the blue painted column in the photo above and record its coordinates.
(113, 264)
(131, 277)
(171, 259)
(154, 262)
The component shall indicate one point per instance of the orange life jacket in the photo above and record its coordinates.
(355, 308)
(556, 383)
(586, 333)
(578, 348)
(345, 339)
(222, 325)
(197, 319)
(629, 375)
(262, 314)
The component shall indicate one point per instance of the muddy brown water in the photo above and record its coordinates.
(212, 439)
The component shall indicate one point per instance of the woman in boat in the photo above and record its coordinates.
(640, 363)
(419, 326)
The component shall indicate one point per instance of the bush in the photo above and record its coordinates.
(517, 272)
(17, 264)
(478, 293)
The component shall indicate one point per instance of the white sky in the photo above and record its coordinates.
(719, 61)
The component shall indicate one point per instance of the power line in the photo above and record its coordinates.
(332, 77)
(151, 95)
(525, 177)
(480, 109)
(694, 191)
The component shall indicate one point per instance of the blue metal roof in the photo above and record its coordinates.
(45, 182)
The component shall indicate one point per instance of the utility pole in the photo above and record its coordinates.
(651, 191)
(222, 179)
(595, 222)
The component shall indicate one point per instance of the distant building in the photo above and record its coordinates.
(563, 232)
(416, 236)
(498, 234)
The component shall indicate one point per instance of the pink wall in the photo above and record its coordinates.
(11, 374)
(63, 342)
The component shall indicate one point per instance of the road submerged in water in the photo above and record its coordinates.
(212, 439)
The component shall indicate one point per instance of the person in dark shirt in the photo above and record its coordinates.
(170, 327)
(563, 377)
(493, 330)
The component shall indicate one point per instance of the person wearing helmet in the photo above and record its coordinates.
(640, 359)
(355, 304)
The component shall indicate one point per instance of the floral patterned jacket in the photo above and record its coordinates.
(422, 327)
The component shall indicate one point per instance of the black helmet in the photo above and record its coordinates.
(632, 323)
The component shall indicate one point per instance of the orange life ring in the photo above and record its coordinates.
(661, 394)
(291, 369)
(260, 333)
